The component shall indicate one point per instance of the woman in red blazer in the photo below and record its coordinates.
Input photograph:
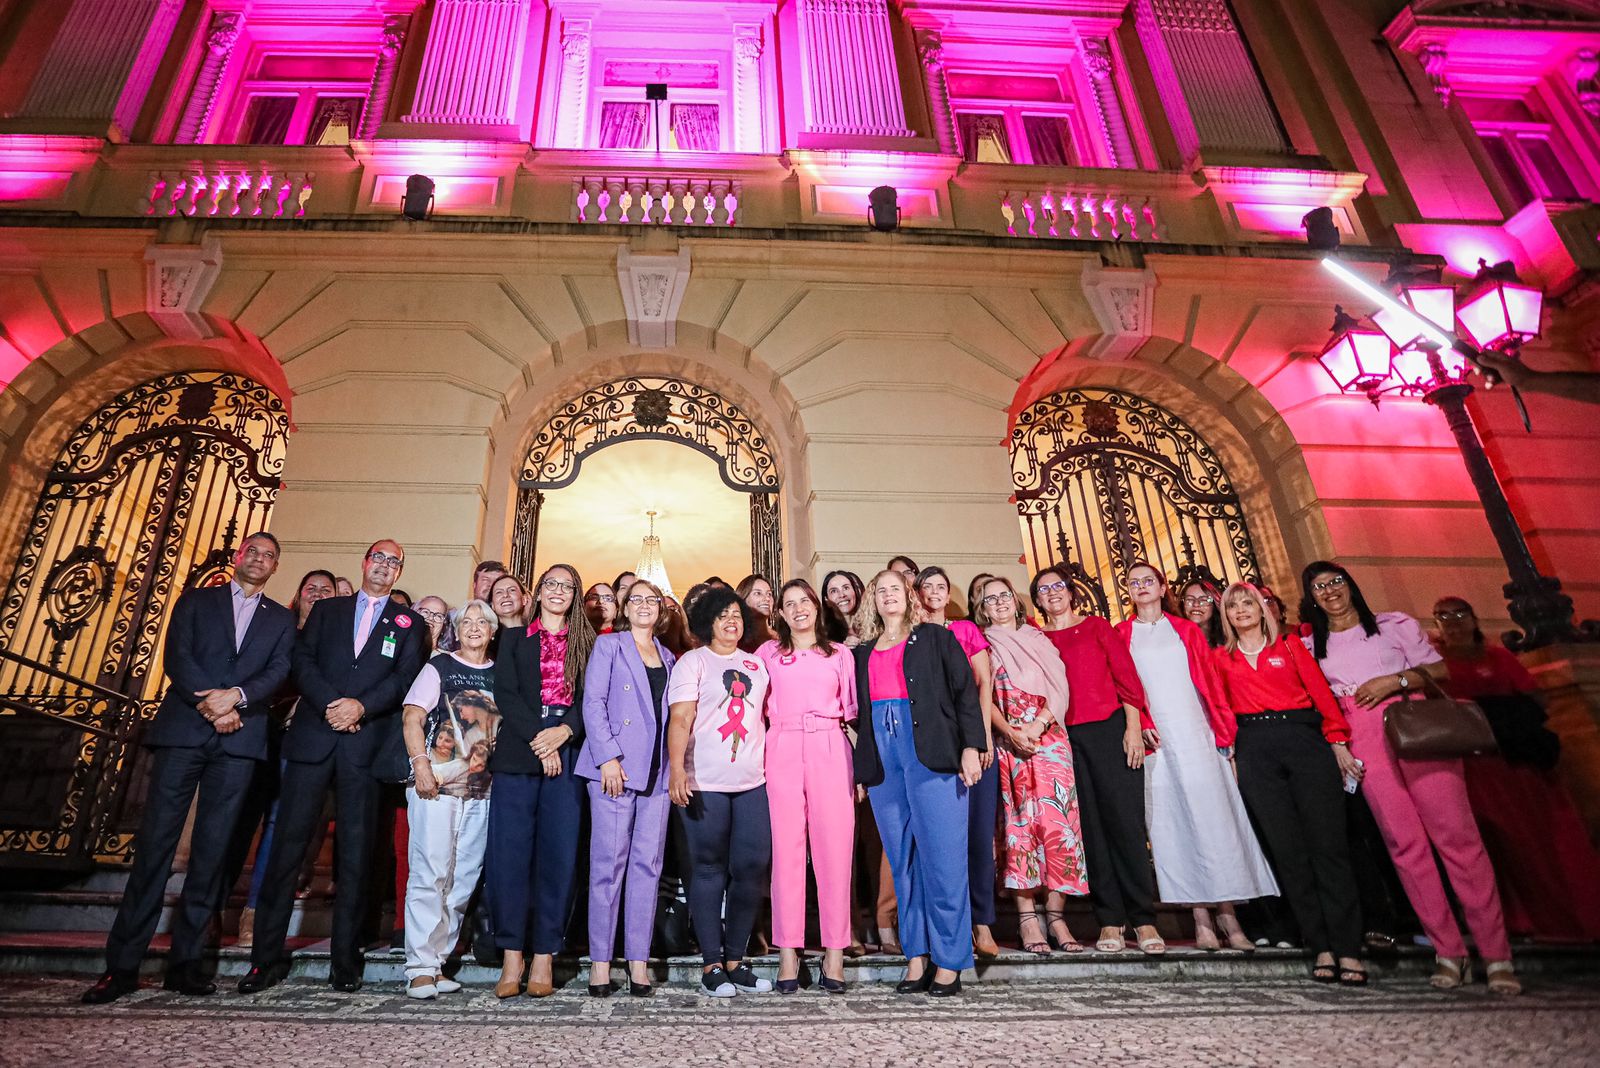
(1206, 854)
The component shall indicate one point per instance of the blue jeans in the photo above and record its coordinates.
(922, 818)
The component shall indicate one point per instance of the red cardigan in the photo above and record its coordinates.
(1202, 672)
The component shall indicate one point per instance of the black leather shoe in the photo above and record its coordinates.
(263, 977)
(111, 986)
(788, 986)
(831, 985)
(945, 990)
(601, 990)
(916, 986)
(345, 982)
(187, 980)
(640, 990)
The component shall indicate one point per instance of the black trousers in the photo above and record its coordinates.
(530, 869)
(178, 773)
(983, 809)
(730, 848)
(1116, 844)
(1291, 784)
(300, 798)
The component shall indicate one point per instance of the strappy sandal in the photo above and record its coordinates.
(1324, 973)
(1352, 977)
(1450, 973)
(1153, 946)
(1067, 944)
(1502, 978)
(1037, 946)
(1109, 944)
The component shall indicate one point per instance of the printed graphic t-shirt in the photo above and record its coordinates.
(727, 751)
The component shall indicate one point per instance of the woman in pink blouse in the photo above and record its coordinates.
(1420, 805)
(810, 783)
(932, 587)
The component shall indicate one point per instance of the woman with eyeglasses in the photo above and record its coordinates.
(1292, 751)
(917, 754)
(600, 605)
(623, 761)
(1108, 723)
(932, 587)
(1205, 851)
(716, 748)
(1043, 837)
(1202, 606)
(537, 807)
(1549, 872)
(810, 784)
(1372, 660)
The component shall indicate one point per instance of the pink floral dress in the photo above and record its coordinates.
(1043, 843)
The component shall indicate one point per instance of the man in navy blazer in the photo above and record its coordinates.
(353, 664)
(227, 655)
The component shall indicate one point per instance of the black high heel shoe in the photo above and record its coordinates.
(945, 990)
(601, 990)
(831, 985)
(918, 985)
(640, 990)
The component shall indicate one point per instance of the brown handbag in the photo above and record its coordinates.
(1437, 728)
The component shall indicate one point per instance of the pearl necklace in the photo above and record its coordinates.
(1253, 652)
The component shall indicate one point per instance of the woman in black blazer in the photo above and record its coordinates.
(536, 804)
(917, 753)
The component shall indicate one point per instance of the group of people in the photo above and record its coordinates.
(1199, 753)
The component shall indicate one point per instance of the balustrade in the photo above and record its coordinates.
(676, 201)
(230, 192)
(1095, 216)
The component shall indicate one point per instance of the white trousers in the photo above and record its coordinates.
(448, 837)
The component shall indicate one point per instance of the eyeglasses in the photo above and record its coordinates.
(993, 599)
(1052, 587)
(557, 586)
(1149, 582)
(605, 598)
(1325, 585)
(644, 601)
(1453, 615)
(431, 616)
(1199, 601)
(385, 560)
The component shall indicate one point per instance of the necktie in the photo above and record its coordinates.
(364, 628)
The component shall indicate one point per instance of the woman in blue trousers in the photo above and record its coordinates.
(918, 753)
(624, 761)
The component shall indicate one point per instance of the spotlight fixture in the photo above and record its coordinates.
(418, 201)
(1321, 233)
(883, 209)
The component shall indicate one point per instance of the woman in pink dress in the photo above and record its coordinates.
(1043, 841)
(1371, 661)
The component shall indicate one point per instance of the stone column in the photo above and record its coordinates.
(1098, 61)
(99, 67)
(572, 101)
(747, 126)
(1205, 77)
(224, 33)
(930, 51)
(847, 69)
(394, 38)
(471, 64)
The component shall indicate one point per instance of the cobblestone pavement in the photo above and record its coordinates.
(1102, 1022)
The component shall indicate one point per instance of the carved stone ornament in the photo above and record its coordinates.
(652, 289)
(1434, 62)
(224, 33)
(1097, 57)
(747, 49)
(1123, 302)
(178, 279)
(575, 44)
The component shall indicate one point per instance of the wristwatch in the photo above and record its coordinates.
(1405, 683)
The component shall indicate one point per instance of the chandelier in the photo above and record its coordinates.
(651, 567)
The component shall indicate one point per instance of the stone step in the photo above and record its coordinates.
(25, 911)
(82, 953)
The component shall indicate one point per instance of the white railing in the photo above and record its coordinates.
(703, 201)
(261, 194)
(1094, 216)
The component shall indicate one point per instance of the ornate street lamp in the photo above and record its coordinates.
(1434, 363)
(1359, 358)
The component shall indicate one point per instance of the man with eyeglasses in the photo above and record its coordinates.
(226, 656)
(353, 663)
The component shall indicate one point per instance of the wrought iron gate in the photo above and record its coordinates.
(147, 498)
(663, 409)
(1104, 478)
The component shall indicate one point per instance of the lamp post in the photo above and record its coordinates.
(1427, 359)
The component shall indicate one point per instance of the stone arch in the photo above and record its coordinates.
(1265, 462)
(700, 356)
(50, 398)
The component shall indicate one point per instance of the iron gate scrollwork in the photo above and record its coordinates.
(1103, 478)
(659, 409)
(148, 497)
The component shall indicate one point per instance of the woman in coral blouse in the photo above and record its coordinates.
(1292, 750)
(1109, 726)
(1549, 873)
(1205, 851)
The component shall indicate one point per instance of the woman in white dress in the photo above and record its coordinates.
(1205, 852)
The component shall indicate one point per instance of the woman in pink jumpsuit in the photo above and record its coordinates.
(1420, 805)
(810, 783)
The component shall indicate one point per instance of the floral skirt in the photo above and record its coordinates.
(1042, 840)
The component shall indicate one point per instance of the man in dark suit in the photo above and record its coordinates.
(353, 663)
(227, 654)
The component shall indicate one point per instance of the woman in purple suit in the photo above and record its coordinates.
(624, 759)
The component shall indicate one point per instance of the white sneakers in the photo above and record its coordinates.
(428, 987)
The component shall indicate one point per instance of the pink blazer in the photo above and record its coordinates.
(1203, 673)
